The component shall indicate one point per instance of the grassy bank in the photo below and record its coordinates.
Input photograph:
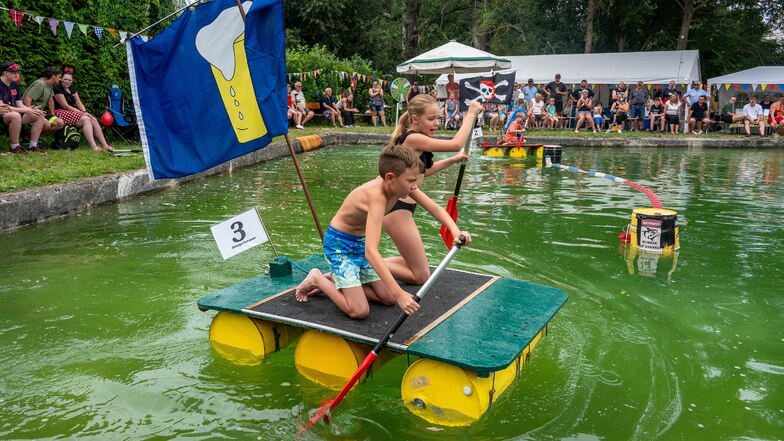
(21, 172)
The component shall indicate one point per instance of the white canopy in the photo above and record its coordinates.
(756, 75)
(608, 68)
(453, 57)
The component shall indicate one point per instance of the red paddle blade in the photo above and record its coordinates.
(451, 209)
(323, 412)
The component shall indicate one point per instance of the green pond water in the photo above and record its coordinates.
(101, 339)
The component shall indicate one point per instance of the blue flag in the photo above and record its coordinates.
(209, 88)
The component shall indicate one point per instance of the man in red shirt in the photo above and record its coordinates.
(451, 85)
(776, 118)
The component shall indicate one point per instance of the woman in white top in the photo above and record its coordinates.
(672, 113)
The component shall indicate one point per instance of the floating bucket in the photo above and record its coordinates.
(311, 142)
(553, 151)
(654, 230)
(246, 341)
(331, 361)
(449, 395)
(649, 264)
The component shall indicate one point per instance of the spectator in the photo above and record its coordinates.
(452, 115)
(515, 129)
(347, 109)
(292, 111)
(298, 97)
(517, 95)
(638, 97)
(621, 91)
(536, 110)
(577, 94)
(727, 114)
(15, 113)
(413, 91)
(752, 112)
(452, 85)
(550, 117)
(598, 116)
(698, 116)
(328, 108)
(694, 93)
(776, 118)
(529, 92)
(620, 110)
(491, 114)
(40, 95)
(556, 89)
(765, 103)
(656, 115)
(668, 92)
(584, 106)
(377, 104)
(69, 108)
(672, 113)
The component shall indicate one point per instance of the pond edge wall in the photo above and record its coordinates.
(42, 204)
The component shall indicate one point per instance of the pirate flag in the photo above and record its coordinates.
(496, 89)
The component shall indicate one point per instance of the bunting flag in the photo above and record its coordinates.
(745, 87)
(82, 27)
(69, 25)
(16, 17)
(754, 86)
(763, 86)
(236, 79)
(122, 35)
(649, 86)
(727, 86)
(98, 32)
(112, 32)
(781, 87)
(53, 23)
(735, 86)
(38, 19)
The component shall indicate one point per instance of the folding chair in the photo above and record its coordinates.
(124, 117)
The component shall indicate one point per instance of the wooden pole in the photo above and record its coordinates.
(294, 159)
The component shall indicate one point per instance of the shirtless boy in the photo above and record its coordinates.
(351, 241)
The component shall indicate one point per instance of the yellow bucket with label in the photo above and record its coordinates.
(654, 230)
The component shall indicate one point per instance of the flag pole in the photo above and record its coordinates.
(294, 158)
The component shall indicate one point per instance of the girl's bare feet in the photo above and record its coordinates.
(307, 286)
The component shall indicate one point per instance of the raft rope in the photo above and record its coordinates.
(655, 202)
(286, 259)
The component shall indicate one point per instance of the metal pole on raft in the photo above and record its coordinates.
(294, 158)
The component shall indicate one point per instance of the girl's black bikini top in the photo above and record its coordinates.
(425, 157)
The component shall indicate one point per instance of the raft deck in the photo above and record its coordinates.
(474, 321)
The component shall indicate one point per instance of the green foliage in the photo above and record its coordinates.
(307, 59)
(98, 64)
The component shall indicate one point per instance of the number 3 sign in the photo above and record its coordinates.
(239, 233)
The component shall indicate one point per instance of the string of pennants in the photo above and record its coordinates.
(18, 17)
(354, 77)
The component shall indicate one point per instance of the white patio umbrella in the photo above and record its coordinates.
(453, 57)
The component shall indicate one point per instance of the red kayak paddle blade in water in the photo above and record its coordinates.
(451, 209)
(322, 413)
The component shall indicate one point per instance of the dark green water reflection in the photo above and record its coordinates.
(101, 338)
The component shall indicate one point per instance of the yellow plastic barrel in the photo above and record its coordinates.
(449, 395)
(310, 142)
(245, 340)
(654, 230)
(517, 152)
(493, 151)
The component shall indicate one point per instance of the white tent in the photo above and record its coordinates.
(759, 81)
(453, 57)
(608, 68)
(767, 75)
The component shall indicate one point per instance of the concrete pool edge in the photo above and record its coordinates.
(42, 204)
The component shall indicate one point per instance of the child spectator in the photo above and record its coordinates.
(598, 116)
(550, 114)
(656, 115)
(352, 238)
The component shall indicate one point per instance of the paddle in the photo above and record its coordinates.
(451, 206)
(326, 408)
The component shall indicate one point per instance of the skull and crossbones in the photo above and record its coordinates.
(486, 91)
